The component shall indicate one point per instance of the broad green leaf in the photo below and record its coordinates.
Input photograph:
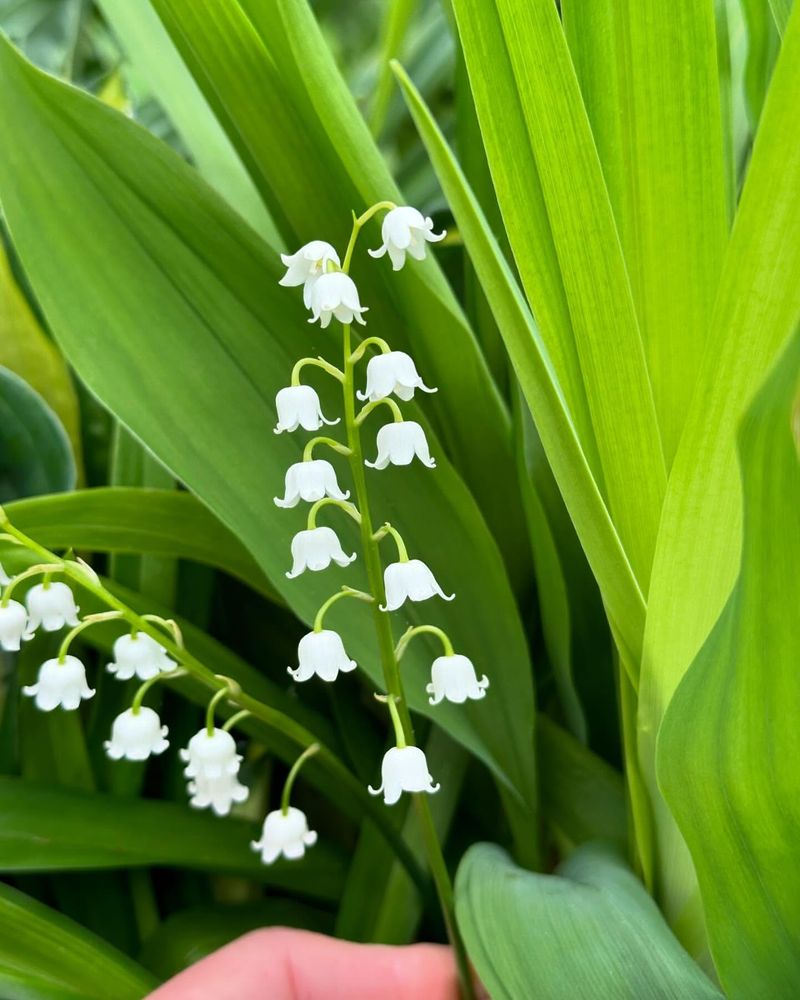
(29, 353)
(188, 340)
(312, 157)
(540, 386)
(649, 78)
(699, 544)
(52, 829)
(763, 42)
(730, 742)
(35, 454)
(535, 126)
(45, 956)
(781, 9)
(588, 931)
(128, 520)
(150, 50)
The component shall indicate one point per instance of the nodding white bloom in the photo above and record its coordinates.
(136, 735)
(315, 549)
(321, 653)
(306, 266)
(219, 793)
(213, 764)
(299, 406)
(139, 656)
(13, 626)
(406, 230)
(453, 678)
(410, 580)
(4, 577)
(310, 481)
(211, 756)
(393, 372)
(52, 606)
(284, 833)
(404, 769)
(398, 443)
(61, 684)
(335, 294)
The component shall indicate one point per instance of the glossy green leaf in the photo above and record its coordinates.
(540, 386)
(781, 9)
(588, 931)
(312, 157)
(730, 742)
(128, 520)
(535, 128)
(35, 453)
(649, 77)
(29, 353)
(45, 956)
(51, 829)
(758, 307)
(188, 340)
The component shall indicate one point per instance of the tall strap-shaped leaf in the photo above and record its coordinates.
(729, 746)
(649, 77)
(757, 308)
(544, 123)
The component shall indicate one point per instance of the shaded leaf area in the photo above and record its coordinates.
(35, 453)
(142, 521)
(588, 931)
(188, 340)
(45, 956)
(730, 741)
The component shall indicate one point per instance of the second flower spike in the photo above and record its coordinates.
(310, 481)
(399, 443)
(315, 549)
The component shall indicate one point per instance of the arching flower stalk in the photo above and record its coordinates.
(391, 375)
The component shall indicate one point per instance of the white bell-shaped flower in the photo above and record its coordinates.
(136, 735)
(61, 684)
(453, 678)
(335, 294)
(315, 549)
(299, 406)
(398, 443)
(218, 793)
(310, 481)
(139, 656)
(13, 626)
(406, 230)
(306, 266)
(411, 580)
(51, 605)
(393, 372)
(321, 653)
(211, 756)
(284, 833)
(404, 769)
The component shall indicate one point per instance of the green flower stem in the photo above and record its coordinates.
(383, 629)
(266, 715)
(236, 719)
(440, 634)
(337, 446)
(366, 410)
(315, 363)
(344, 505)
(368, 342)
(358, 222)
(399, 734)
(103, 616)
(169, 624)
(141, 691)
(388, 529)
(229, 693)
(47, 569)
(287, 788)
(344, 592)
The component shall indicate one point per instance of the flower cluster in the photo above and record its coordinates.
(391, 375)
